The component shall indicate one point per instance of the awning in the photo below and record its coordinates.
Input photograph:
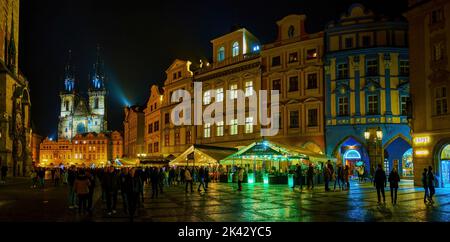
(201, 155)
(157, 161)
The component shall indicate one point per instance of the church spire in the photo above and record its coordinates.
(11, 61)
(98, 78)
(69, 75)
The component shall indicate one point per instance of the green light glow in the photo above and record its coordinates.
(230, 177)
(291, 180)
(266, 178)
(251, 178)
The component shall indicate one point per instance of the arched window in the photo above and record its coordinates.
(235, 49)
(221, 54)
(66, 105)
(96, 103)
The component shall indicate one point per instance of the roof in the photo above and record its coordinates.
(201, 155)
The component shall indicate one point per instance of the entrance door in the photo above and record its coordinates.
(445, 168)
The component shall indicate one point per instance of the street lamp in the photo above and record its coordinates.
(379, 134)
(367, 135)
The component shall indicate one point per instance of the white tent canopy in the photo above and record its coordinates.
(202, 155)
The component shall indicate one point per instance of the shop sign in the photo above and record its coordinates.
(422, 152)
(422, 140)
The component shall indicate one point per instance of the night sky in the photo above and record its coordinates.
(139, 41)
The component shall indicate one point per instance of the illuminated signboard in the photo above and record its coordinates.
(422, 152)
(422, 140)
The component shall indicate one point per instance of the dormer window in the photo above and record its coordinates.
(235, 49)
(291, 32)
(221, 54)
(311, 54)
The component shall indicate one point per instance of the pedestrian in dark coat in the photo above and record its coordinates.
(339, 177)
(380, 183)
(310, 177)
(394, 179)
(133, 185)
(425, 185)
(92, 183)
(111, 183)
(154, 178)
(430, 183)
(201, 179)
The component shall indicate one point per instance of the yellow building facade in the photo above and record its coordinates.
(153, 123)
(293, 64)
(429, 36)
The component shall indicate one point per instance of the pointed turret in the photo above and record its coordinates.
(98, 78)
(12, 48)
(69, 75)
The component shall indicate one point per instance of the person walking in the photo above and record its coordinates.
(310, 177)
(111, 184)
(133, 184)
(71, 176)
(91, 178)
(240, 178)
(207, 178)
(339, 175)
(123, 192)
(394, 179)
(161, 180)
(4, 171)
(201, 179)
(57, 176)
(299, 177)
(425, 185)
(188, 179)
(380, 183)
(326, 176)
(346, 178)
(430, 183)
(154, 179)
(41, 176)
(81, 188)
(33, 176)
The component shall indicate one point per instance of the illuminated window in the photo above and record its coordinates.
(207, 98)
(404, 105)
(207, 131)
(219, 129)
(234, 127)
(248, 88)
(188, 137)
(373, 104)
(441, 100)
(342, 71)
(221, 54)
(293, 57)
(249, 125)
(343, 106)
(311, 54)
(219, 95)
(235, 49)
(166, 140)
(233, 91)
(177, 138)
(404, 67)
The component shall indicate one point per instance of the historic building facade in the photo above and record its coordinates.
(367, 90)
(15, 122)
(88, 150)
(78, 115)
(176, 139)
(134, 129)
(429, 36)
(293, 65)
(236, 66)
(153, 124)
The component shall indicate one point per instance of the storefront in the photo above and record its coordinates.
(270, 162)
(445, 165)
(202, 155)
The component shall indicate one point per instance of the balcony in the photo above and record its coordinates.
(229, 61)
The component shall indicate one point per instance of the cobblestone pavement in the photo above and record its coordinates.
(272, 203)
(222, 203)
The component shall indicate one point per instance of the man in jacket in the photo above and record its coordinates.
(425, 185)
(201, 178)
(188, 179)
(430, 183)
(111, 185)
(310, 177)
(380, 182)
(394, 179)
(71, 176)
(240, 178)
